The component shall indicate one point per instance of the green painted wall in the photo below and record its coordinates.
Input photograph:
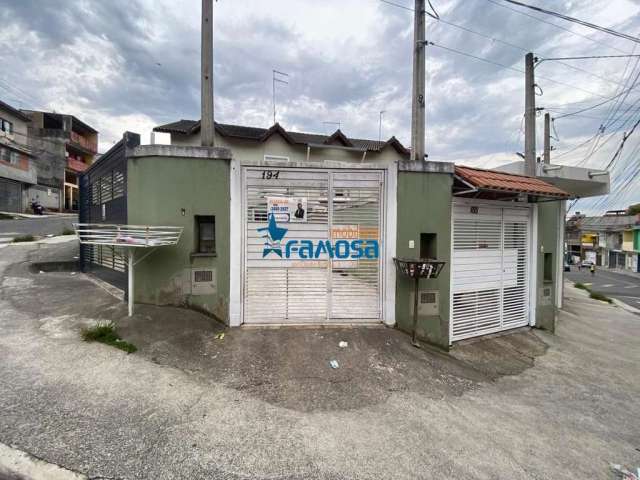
(424, 206)
(158, 189)
(636, 240)
(547, 244)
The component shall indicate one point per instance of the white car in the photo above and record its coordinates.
(586, 263)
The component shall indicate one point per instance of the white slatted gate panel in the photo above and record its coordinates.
(356, 214)
(312, 277)
(489, 269)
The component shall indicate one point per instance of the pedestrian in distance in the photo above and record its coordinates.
(592, 269)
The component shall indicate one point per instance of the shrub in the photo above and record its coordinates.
(581, 286)
(600, 296)
(105, 332)
(68, 231)
(24, 238)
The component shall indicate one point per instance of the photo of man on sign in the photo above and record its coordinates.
(288, 209)
(299, 212)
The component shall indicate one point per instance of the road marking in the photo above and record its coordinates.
(608, 285)
(632, 286)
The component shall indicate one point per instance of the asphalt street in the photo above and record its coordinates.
(620, 286)
(265, 404)
(40, 227)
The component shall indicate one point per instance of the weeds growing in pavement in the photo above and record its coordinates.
(105, 332)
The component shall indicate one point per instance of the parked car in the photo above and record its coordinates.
(567, 267)
(586, 263)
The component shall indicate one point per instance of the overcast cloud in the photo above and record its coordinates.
(131, 65)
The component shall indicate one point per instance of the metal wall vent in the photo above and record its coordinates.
(427, 302)
(203, 281)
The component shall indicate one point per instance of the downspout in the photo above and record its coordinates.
(364, 154)
(308, 152)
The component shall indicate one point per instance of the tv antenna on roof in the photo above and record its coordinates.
(277, 77)
(332, 123)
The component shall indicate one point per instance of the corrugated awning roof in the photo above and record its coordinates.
(508, 182)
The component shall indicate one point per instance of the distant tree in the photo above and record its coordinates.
(633, 209)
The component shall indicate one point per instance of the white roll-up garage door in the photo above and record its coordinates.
(312, 245)
(490, 268)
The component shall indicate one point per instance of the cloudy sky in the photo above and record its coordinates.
(134, 64)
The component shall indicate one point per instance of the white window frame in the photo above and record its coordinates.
(276, 157)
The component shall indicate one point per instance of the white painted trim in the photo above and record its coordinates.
(390, 211)
(451, 252)
(533, 271)
(282, 158)
(235, 243)
(560, 255)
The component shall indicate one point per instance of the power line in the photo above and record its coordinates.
(509, 44)
(589, 57)
(459, 52)
(556, 25)
(599, 104)
(576, 20)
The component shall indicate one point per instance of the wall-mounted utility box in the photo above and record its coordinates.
(428, 302)
(203, 281)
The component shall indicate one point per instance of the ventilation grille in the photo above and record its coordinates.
(203, 276)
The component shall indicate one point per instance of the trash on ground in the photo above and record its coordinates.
(49, 235)
(623, 473)
(40, 271)
(343, 344)
(73, 273)
(220, 336)
(334, 364)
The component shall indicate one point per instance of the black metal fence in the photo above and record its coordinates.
(103, 199)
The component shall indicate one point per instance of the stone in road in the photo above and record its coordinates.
(40, 227)
(620, 286)
(162, 414)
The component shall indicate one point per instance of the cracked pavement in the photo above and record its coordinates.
(263, 403)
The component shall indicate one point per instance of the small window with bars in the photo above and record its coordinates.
(205, 234)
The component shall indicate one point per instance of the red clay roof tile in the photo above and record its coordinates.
(508, 182)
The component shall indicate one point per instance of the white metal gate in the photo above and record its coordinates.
(490, 269)
(323, 267)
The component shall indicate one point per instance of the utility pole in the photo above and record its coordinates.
(547, 139)
(418, 90)
(380, 127)
(529, 117)
(206, 66)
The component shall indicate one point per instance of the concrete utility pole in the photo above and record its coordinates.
(529, 117)
(206, 67)
(380, 126)
(547, 139)
(419, 73)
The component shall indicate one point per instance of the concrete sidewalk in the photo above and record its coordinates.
(264, 403)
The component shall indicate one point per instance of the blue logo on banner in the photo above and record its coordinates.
(273, 235)
(309, 250)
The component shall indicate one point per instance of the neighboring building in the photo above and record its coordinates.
(64, 147)
(611, 240)
(284, 227)
(17, 169)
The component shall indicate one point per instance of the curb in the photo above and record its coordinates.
(625, 306)
(18, 465)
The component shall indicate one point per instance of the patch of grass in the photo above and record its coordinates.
(68, 231)
(600, 296)
(24, 238)
(6, 216)
(581, 286)
(105, 332)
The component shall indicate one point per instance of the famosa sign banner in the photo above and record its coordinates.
(347, 242)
